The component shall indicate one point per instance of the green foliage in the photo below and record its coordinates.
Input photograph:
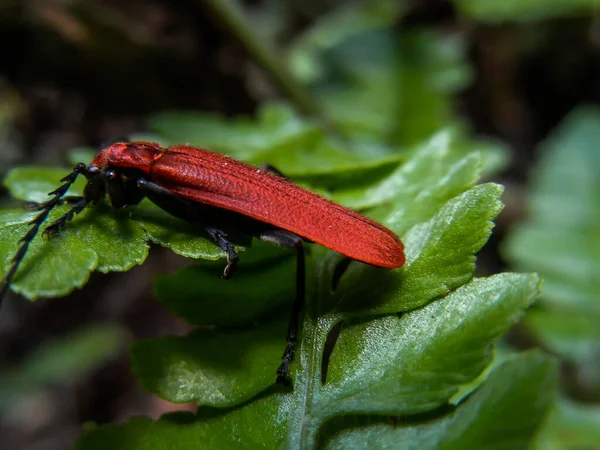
(417, 343)
(410, 339)
(570, 425)
(275, 127)
(267, 282)
(346, 22)
(386, 366)
(499, 415)
(524, 10)
(561, 239)
(69, 258)
(506, 411)
(379, 86)
(403, 83)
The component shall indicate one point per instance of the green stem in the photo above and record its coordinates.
(229, 14)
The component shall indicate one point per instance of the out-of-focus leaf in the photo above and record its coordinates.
(495, 155)
(561, 238)
(404, 94)
(34, 183)
(570, 426)
(297, 148)
(11, 107)
(82, 155)
(573, 333)
(277, 127)
(528, 10)
(333, 162)
(68, 358)
(307, 52)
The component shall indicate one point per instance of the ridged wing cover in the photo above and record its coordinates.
(213, 179)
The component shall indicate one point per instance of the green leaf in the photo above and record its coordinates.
(201, 297)
(57, 265)
(514, 401)
(306, 54)
(277, 126)
(81, 155)
(572, 333)
(502, 414)
(461, 227)
(561, 238)
(429, 351)
(211, 367)
(456, 232)
(438, 169)
(261, 424)
(440, 256)
(183, 238)
(570, 426)
(403, 93)
(528, 10)
(406, 364)
(279, 137)
(435, 173)
(440, 346)
(34, 183)
(332, 162)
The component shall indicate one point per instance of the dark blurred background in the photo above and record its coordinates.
(77, 73)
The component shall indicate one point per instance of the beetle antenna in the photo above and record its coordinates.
(36, 223)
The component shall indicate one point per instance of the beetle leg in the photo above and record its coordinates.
(232, 257)
(274, 170)
(166, 200)
(284, 238)
(55, 227)
(183, 208)
(36, 206)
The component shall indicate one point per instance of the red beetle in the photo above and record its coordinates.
(213, 190)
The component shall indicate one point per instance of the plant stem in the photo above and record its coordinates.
(266, 56)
